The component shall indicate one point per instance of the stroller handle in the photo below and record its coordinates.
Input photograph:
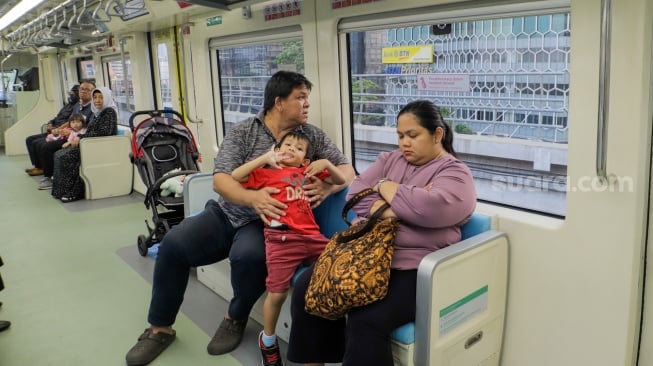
(154, 113)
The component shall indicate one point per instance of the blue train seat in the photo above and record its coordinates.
(463, 321)
(477, 224)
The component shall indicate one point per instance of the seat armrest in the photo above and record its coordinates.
(198, 189)
(105, 166)
(461, 301)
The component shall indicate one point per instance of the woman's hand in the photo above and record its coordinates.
(386, 213)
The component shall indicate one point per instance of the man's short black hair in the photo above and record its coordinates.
(281, 84)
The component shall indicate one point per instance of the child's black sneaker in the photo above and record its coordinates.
(271, 355)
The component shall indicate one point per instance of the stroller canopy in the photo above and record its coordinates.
(162, 125)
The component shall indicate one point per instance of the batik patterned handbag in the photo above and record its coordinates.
(354, 268)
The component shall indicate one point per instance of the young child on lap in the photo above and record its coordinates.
(293, 239)
(74, 127)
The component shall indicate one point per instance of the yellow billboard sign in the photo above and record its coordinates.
(407, 54)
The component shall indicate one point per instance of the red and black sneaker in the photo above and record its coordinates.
(271, 356)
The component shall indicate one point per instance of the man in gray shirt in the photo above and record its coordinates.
(233, 227)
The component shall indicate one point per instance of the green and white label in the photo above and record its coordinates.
(463, 309)
(214, 21)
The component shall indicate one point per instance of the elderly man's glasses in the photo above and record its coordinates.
(85, 89)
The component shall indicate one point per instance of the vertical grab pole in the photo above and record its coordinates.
(125, 80)
(604, 91)
(2, 70)
(185, 74)
(42, 73)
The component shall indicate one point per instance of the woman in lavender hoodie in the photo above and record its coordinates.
(432, 194)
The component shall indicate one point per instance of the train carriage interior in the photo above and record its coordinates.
(550, 101)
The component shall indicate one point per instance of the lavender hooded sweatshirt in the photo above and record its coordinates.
(429, 219)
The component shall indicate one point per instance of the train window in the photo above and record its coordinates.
(120, 81)
(245, 69)
(164, 75)
(86, 68)
(9, 79)
(502, 84)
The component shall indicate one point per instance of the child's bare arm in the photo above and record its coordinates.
(335, 175)
(241, 173)
(271, 158)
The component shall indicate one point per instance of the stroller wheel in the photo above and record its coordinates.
(142, 245)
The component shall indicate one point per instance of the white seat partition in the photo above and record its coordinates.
(105, 165)
(461, 302)
(198, 189)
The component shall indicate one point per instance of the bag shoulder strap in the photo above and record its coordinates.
(353, 201)
(369, 223)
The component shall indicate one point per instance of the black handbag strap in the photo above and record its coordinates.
(354, 200)
(369, 223)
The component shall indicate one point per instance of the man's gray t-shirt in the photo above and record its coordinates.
(251, 138)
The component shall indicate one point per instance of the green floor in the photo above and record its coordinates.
(71, 299)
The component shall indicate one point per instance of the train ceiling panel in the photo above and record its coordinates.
(222, 4)
(63, 23)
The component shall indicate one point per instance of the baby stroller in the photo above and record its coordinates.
(162, 147)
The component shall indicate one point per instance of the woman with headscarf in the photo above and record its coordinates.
(67, 184)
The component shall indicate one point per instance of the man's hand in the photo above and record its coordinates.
(317, 191)
(266, 206)
(64, 132)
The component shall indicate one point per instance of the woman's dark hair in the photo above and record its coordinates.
(300, 136)
(429, 116)
(281, 84)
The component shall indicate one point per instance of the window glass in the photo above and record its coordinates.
(244, 71)
(122, 94)
(164, 75)
(502, 84)
(86, 69)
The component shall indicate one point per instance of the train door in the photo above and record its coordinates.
(166, 70)
(118, 76)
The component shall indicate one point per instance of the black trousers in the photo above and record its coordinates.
(45, 153)
(2, 284)
(206, 238)
(364, 338)
(31, 143)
